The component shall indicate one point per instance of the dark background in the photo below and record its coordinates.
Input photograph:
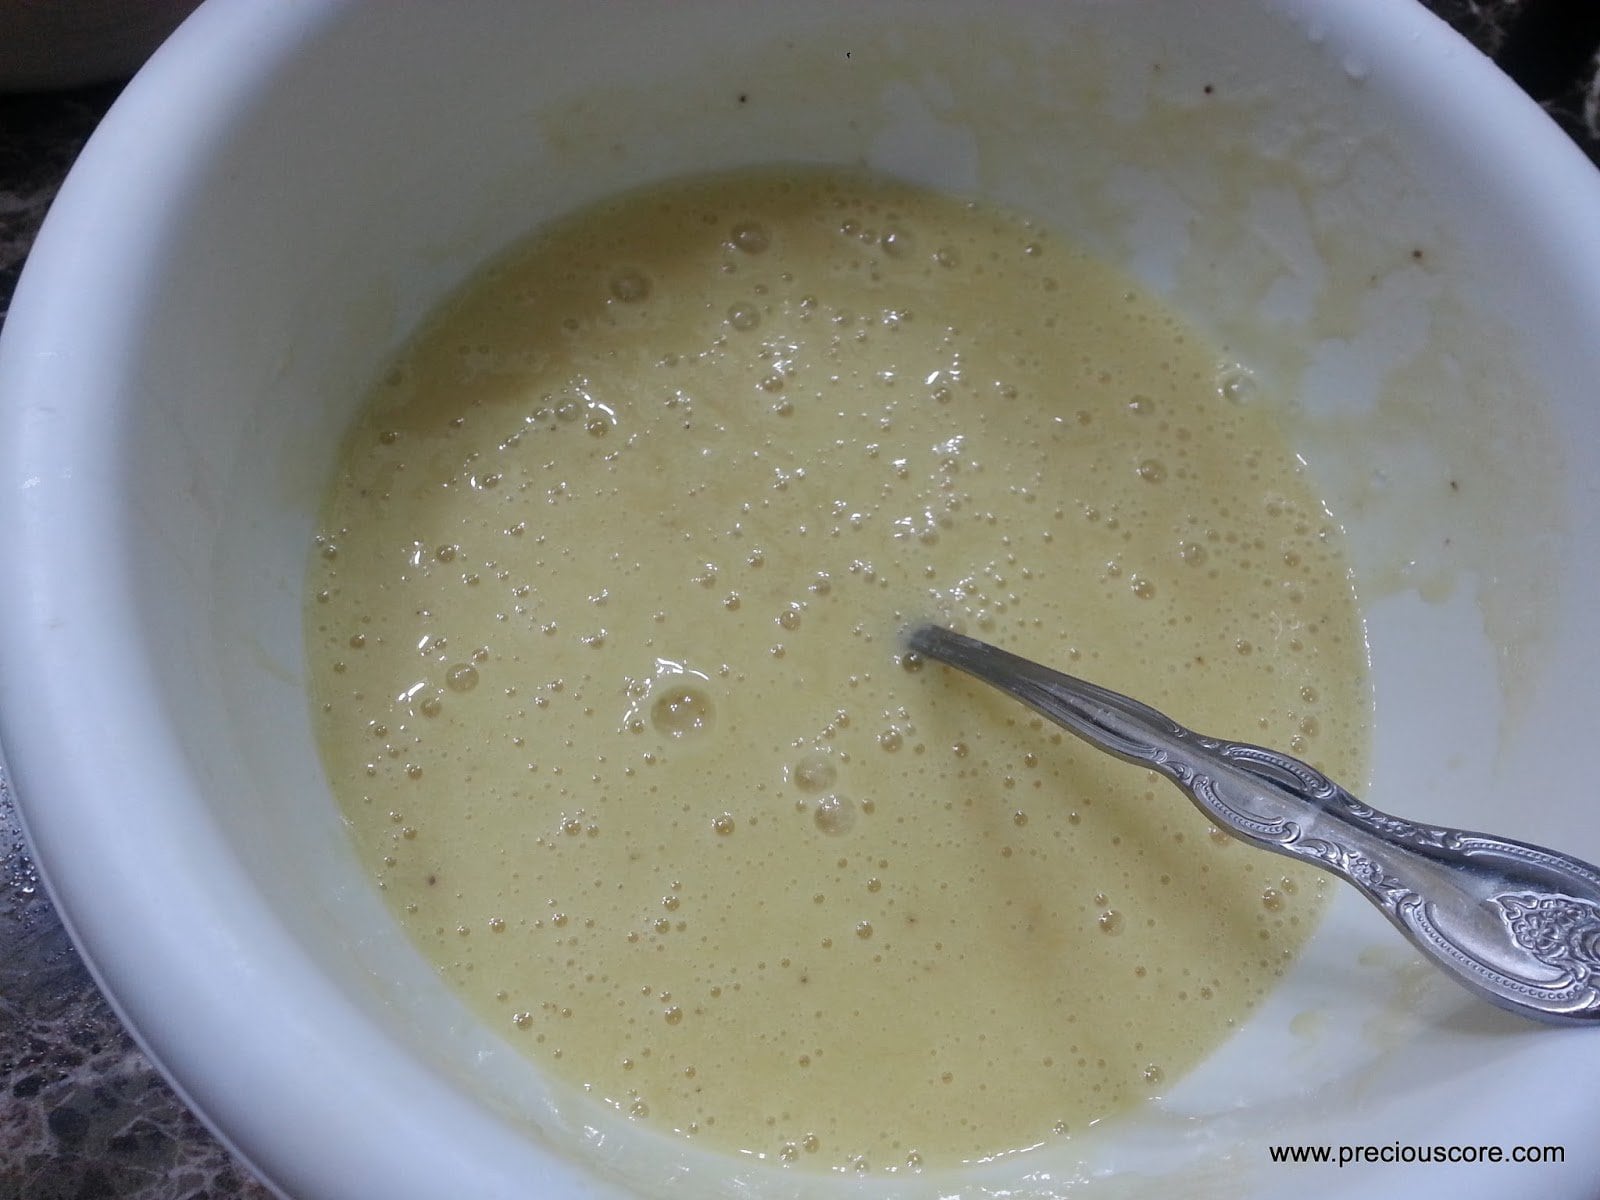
(83, 1114)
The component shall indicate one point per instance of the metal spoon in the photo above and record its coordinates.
(1515, 923)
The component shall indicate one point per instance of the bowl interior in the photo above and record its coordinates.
(1308, 183)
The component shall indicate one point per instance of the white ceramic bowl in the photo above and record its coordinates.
(1341, 192)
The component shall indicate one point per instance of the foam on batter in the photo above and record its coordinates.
(604, 653)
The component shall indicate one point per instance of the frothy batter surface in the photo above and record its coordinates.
(603, 648)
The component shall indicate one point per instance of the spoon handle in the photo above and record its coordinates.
(1516, 923)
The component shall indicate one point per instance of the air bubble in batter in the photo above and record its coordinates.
(682, 711)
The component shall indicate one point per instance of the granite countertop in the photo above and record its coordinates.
(83, 1113)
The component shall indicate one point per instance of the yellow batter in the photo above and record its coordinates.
(604, 653)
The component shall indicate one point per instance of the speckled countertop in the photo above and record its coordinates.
(83, 1114)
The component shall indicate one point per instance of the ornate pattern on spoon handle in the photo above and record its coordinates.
(1516, 923)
